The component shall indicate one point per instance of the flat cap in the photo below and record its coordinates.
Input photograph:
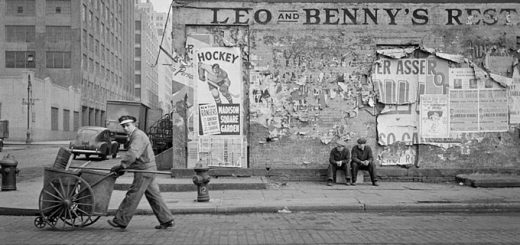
(361, 141)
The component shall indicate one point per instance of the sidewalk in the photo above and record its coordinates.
(301, 196)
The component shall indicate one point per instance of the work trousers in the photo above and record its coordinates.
(331, 172)
(144, 183)
(371, 168)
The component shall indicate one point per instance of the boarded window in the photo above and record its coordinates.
(66, 120)
(56, 34)
(54, 118)
(20, 7)
(20, 59)
(19, 33)
(57, 7)
(58, 59)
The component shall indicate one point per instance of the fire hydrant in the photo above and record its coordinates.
(9, 172)
(201, 179)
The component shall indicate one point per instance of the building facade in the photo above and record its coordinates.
(83, 44)
(431, 84)
(165, 70)
(146, 50)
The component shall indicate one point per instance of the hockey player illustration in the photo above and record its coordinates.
(217, 80)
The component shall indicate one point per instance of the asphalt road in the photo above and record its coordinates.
(276, 228)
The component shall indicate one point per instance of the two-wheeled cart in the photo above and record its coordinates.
(72, 198)
(75, 196)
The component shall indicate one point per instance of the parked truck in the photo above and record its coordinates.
(118, 108)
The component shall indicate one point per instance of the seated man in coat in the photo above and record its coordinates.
(339, 159)
(362, 159)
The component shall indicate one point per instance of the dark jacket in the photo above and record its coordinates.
(336, 155)
(359, 155)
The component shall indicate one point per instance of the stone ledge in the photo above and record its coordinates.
(489, 180)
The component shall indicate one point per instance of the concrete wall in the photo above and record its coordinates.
(45, 94)
(310, 68)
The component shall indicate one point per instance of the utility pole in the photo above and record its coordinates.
(28, 140)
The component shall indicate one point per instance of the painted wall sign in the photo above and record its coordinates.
(367, 14)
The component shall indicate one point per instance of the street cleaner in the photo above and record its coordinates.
(139, 156)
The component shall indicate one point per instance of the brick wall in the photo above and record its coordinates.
(310, 64)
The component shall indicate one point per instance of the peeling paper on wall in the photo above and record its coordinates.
(396, 53)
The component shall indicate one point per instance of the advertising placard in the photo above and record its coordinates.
(434, 116)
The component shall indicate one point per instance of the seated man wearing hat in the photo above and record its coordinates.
(339, 159)
(362, 159)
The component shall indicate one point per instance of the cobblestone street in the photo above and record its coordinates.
(290, 228)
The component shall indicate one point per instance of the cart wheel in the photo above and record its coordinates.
(39, 222)
(68, 199)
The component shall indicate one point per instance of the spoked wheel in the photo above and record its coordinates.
(68, 200)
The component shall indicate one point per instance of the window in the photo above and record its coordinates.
(20, 7)
(57, 7)
(90, 18)
(84, 14)
(84, 62)
(15, 33)
(85, 39)
(20, 59)
(66, 120)
(97, 25)
(138, 52)
(138, 38)
(102, 52)
(90, 65)
(97, 47)
(54, 118)
(137, 65)
(56, 34)
(76, 120)
(58, 59)
(138, 80)
(91, 42)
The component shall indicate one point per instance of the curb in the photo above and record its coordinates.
(368, 208)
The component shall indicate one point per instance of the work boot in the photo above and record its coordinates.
(375, 184)
(115, 225)
(329, 183)
(165, 225)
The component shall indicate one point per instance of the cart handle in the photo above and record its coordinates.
(128, 170)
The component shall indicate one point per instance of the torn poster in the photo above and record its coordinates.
(476, 105)
(514, 99)
(399, 125)
(400, 81)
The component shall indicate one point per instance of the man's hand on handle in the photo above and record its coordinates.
(118, 170)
